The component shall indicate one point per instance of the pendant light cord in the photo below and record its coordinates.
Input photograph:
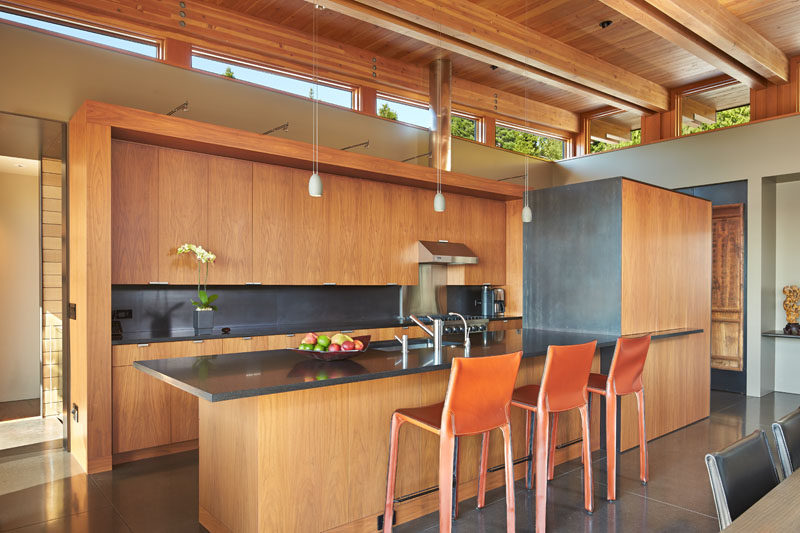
(315, 101)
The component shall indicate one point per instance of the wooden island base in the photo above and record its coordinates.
(315, 459)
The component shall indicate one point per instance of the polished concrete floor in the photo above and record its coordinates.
(46, 491)
(27, 431)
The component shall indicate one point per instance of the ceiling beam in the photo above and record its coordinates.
(237, 35)
(731, 35)
(647, 16)
(499, 41)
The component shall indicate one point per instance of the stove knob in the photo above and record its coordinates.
(448, 330)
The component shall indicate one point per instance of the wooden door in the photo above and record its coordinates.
(273, 240)
(230, 220)
(140, 410)
(134, 213)
(182, 212)
(727, 287)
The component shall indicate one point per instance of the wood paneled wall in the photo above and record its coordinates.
(776, 100)
(52, 300)
(514, 228)
(90, 290)
(666, 259)
(285, 450)
(666, 284)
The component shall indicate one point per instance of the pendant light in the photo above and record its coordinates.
(438, 199)
(527, 212)
(315, 182)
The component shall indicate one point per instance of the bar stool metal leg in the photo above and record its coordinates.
(643, 470)
(482, 472)
(388, 511)
(587, 461)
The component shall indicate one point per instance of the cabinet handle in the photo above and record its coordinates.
(198, 342)
(290, 334)
(252, 283)
(329, 283)
(159, 283)
(145, 345)
(348, 331)
(246, 338)
(392, 284)
(404, 327)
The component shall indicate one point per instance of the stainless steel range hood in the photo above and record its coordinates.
(448, 253)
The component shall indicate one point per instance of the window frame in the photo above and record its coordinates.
(567, 141)
(87, 27)
(480, 130)
(277, 71)
(405, 101)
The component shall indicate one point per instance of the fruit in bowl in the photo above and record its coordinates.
(334, 347)
(310, 338)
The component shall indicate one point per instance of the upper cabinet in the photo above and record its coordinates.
(264, 227)
(134, 213)
(230, 220)
(182, 212)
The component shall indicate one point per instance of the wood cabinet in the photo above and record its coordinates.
(182, 212)
(230, 220)
(498, 325)
(145, 411)
(264, 227)
(134, 213)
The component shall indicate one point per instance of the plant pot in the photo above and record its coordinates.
(792, 328)
(203, 320)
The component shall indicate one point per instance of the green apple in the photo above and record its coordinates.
(320, 348)
(305, 346)
(324, 340)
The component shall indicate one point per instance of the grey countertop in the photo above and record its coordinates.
(267, 329)
(230, 376)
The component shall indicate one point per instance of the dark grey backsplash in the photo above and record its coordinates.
(159, 309)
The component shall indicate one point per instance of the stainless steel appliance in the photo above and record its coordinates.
(499, 302)
(454, 324)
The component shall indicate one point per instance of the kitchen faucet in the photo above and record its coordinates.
(466, 333)
(438, 327)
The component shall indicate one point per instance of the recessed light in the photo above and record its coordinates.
(606, 23)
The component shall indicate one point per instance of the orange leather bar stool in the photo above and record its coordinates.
(624, 377)
(566, 372)
(478, 400)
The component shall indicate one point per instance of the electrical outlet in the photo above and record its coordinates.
(75, 412)
(380, 520)
(121, 314)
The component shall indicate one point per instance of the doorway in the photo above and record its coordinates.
(33, 396)
(729, 298)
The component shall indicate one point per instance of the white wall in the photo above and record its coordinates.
(19, 281)
(787, 272)
(749, 153)
(53, 76)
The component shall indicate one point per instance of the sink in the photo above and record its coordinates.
(413, 344)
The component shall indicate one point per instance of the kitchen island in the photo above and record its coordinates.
(288, 443)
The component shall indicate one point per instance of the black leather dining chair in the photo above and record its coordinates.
(787, 439)
(740, 475)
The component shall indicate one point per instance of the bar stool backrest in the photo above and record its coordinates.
(566, 373)
(625, 374)
(787, 439)
(479, 393)
(740, 475)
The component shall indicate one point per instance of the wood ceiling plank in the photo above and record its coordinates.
(641, 12)
(499, 41)
(731, 35)
(241, 36)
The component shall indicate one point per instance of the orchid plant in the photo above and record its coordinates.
(203, 257)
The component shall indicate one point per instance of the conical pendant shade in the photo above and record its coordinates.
(315, 185)
(438, 202)
(527, 214)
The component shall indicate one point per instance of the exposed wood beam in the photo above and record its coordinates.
(655, 20)
(698, 112)
(229, 32)
(609, 132)
(714, 23)
(451, 25)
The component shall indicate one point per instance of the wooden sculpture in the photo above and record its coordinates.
(792, 307)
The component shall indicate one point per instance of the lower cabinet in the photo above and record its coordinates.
(140, 410)
(147, 412)
(506, 323)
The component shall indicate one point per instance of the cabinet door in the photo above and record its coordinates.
(346, 233)
(230, 220)
(273, 224)
(310, 237)
(486, 236)
(184, 412)
(134, 213)
(140, 410)
(182, 212)
(247, 344)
